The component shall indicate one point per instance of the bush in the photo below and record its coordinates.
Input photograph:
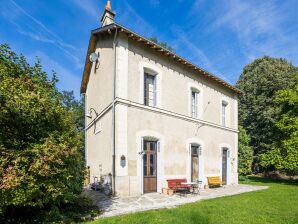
(245, 153)
(41, 162)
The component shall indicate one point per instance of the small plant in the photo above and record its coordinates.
(242, 178)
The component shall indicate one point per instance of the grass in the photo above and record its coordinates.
(278, 204)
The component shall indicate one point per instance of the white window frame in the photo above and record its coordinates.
(224, 146)
(224, 114)
(194, 87)
(194, 103)
(200, 143)
(150, 73)
(150, 68)
(140, 137)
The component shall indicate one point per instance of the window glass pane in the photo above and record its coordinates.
(194, 150)
(223, 113)
(144, 145)
(152, 165)
(194, 104)
(149, 90)
(145, 164)
(152, 146)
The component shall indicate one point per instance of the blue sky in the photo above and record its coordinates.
(221, 36)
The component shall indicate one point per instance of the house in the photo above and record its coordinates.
(152, 115)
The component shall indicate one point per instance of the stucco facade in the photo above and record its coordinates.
(124, 122)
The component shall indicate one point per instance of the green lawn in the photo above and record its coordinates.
(278, 204)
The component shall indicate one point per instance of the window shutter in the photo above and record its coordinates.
(146, 86)
(142, 146)
(155, 91)
(196, 104)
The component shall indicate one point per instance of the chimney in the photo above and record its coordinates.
(108, 16)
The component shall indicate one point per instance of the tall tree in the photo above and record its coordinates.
(41, 163)
(258, 111)
(76, 106)
(245, 153)
(284, 155)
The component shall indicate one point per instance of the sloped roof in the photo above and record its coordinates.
(147, 43)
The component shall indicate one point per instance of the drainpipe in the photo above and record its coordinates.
(115, 43)
(85, 131)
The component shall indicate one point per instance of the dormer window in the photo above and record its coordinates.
(149, 89)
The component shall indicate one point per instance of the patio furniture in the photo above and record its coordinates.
(104, 184)
(214, 181)
(177, 185)
(194, 187)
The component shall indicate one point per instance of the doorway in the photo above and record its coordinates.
(150, 166)
(224, 165)
(194, 163)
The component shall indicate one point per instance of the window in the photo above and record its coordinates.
(194, 104)
(149, 90)
(194, 163)
(224, 106)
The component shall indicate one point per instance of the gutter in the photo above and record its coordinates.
(115, 43)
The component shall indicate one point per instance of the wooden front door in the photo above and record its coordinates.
(150, 166)
(224, 166)
(194, 163)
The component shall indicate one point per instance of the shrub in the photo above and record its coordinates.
(41, 162)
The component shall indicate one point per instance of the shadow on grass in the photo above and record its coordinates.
(79, 210)
(258, 179)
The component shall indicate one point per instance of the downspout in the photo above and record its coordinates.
(87, 167)
(115, 43)
(85, 124)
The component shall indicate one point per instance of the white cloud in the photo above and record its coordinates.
(89, 7)
(195, 54)
(259, 27)
(41, 33)
(128, 16)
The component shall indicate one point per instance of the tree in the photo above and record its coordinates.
(284, 156)
(41, 163)
(245, 153)
(258, 111)
(163, 44)
(76, 107)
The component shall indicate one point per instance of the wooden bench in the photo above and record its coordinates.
(214, 181)
(176, 185)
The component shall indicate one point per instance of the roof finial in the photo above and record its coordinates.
(108, 6)
(108, 16)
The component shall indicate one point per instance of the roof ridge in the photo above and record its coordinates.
(175, 55)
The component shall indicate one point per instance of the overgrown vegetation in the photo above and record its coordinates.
(262, 112)
(161, 43)
(245, 153)
(41, 148)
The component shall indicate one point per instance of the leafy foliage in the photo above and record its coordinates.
(41, 161)
(258, 111)
(245, 153)
(163, 44)
(76, 107)
(284, 155)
